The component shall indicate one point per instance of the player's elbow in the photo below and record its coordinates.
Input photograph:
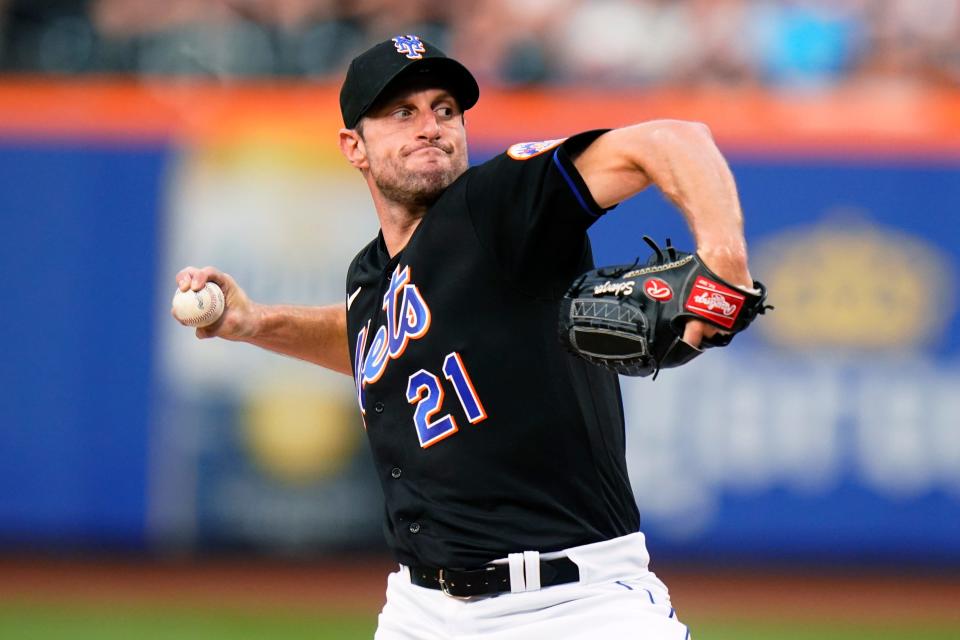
(666, 148)
(671, 132)
(656, 140)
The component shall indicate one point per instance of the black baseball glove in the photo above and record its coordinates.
(630, 318)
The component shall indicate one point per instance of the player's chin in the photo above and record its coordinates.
(434, 176)
(429, 163)
(427, 194)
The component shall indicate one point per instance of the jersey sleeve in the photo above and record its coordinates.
(531, 209)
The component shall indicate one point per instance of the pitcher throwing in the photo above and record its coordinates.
(501, 454)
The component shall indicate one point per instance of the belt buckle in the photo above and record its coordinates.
(443, 585)
(445, 588)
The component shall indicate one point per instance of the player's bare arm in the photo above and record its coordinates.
(314, 334)
(681, 159)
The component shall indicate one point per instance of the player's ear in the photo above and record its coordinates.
(353, 148)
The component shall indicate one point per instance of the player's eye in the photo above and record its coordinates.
(445, 112)
(402, 113)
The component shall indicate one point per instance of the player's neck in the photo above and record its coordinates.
(398, 222)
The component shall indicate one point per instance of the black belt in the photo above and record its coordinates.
(494, 578)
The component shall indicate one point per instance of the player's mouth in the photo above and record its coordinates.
(429, 149)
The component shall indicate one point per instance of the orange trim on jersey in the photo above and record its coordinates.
(401, 308)
(407, 310)
(473, 391)
(359, 364)
(426, 310)
(439, 407)
(394, 308)
(382, 356)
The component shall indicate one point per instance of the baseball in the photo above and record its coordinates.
(199, 308)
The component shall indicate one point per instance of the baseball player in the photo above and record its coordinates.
(501, 456)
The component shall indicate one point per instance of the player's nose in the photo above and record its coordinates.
(428, 125)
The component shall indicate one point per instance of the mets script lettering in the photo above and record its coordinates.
(407, 318)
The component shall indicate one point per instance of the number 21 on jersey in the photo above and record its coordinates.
(425, 391)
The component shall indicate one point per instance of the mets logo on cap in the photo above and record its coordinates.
(411, 46)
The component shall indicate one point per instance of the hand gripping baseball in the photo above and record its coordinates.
(240, 315)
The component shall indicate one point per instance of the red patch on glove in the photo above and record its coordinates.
(715, 302)
(657, 289)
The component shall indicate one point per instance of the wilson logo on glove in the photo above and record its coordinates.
(657, 289)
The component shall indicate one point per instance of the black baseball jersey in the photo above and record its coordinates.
(487, 436)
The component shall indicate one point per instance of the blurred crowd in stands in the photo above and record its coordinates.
(778, 43)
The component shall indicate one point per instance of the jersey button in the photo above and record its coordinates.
(414, 527)
(395, 472)
(378, 407)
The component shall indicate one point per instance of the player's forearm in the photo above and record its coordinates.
(682, 159)
(685, 164)
(314, 334)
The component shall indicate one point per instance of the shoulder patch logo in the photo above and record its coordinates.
(411, 46)
(526, 150)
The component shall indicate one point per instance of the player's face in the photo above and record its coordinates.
(415, 144)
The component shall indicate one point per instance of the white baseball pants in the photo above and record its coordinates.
(617, 597)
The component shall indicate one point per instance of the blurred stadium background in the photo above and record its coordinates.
(805, 484)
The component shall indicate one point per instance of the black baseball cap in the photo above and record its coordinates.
(375, 70)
